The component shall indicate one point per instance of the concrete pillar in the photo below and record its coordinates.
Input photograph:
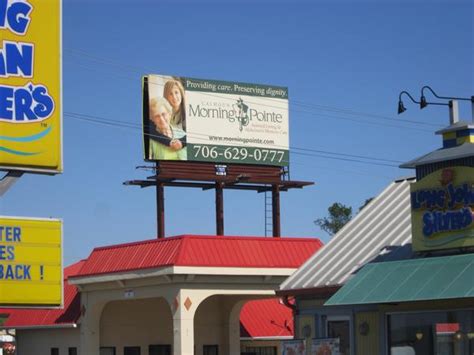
(234, 328)
(184, 307)
(90, 327)
(183, 336)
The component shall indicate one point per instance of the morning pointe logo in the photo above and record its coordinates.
(239, 112)
(243, 116)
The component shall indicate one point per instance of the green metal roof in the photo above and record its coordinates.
(432, 278)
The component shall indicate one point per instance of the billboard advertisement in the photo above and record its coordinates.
(441, 208)
(187, 119)
(30, 85)
(31, 262)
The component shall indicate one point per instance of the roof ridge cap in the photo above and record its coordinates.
(147, 241)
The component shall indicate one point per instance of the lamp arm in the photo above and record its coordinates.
(408, 94)
(446, 97)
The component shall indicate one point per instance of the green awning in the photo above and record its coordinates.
(431, 278)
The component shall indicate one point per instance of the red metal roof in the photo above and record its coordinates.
(204, 251)
(183, 251)
(266, 318)
(18, 318)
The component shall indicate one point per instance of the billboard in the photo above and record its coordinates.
(187, 119)
(441, 209)
(30, 85)
(31, 262)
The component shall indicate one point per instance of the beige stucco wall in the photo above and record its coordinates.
(211, 323)
(40, 341)
(136, 323)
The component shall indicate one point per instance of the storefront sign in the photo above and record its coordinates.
(442, 203)
(293, 347)
(215, 121)
(30, 262)
(329, 346)
(30, 85)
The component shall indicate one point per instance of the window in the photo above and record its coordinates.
(439, 333)
(261, 350)
(72, 351)
(131, 350)
(54, 351)
(210, 350)
(159, 349)
(107, 350)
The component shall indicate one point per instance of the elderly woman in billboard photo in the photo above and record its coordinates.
(160, 116)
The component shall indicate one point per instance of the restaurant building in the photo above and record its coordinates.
(398, 278)
(180, 295)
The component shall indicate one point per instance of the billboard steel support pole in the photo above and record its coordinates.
(276, 210)
(219, 208)
(160, 210)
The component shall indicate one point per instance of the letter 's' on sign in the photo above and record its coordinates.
(30, 85)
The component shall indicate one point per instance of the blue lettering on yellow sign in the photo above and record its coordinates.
(16, 59)
(7, 252)
(25, 104)
(31, 102)
(14, 15)
(10, 234)
(437, 221)
(15, 272)
(441, 203)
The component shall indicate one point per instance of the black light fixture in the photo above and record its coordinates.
(401, 107)
(471, 99)
(424, 103)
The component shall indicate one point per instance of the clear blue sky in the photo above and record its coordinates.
(353, 55)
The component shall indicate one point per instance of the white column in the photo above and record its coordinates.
(234, 327)
(90, 327)
(183, 308)
(183, 336)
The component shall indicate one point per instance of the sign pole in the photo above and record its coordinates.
(219, 208)
(276, 210)
(160, 210)
(8, 180)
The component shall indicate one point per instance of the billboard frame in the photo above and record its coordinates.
(249, 156)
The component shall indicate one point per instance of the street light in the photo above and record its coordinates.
(401, 107)
(424, 103)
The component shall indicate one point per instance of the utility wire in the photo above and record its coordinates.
(296, 102)
(304, 151)
(312, 113)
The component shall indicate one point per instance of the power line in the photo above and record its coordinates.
(315, 114)
(135, 68)
(304, 151)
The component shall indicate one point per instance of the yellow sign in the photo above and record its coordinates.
(30, 262)
(30, 85)
(441, 206)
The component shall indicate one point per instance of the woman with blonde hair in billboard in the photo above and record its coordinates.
(174, 93)
(160, 117)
